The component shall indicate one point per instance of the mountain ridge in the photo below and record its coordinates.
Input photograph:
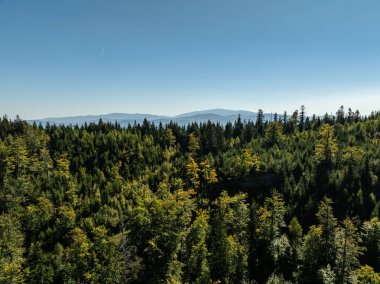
(214, 115)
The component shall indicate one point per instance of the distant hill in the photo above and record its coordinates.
(217, 111)
(214, 115)
(122, 118)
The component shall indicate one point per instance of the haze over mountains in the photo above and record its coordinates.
(215, 115)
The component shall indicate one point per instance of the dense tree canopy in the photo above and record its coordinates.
(292, 200)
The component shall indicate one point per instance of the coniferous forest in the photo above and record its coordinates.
(286, 199)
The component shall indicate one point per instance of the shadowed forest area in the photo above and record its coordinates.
(291, 199)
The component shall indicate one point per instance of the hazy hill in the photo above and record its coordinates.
(214, 115)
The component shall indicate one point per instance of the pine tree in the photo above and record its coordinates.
(273, 134)
(311, 256)
(301, 125)
(328, 225)
(340, 115)
(196, 268)
(371, 240)
(273, 245)
(260, 123)
(348, 251)
(228, 239)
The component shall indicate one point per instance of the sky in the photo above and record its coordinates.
(78, 57)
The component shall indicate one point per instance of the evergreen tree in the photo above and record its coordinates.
(326, 148)
(197, 269)
(146, 203)
(11, 250)
(328, 226)
(260, 122)
(302, 118)
(348, 251)
(273, 134)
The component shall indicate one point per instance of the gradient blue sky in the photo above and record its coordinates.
(72, 57)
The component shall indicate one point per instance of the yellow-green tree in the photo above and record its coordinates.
(193, 143)
(228, 238)
(353, 154)
(326, 147)
(208, 173)
(192, 172)
(269, 233)
(39, 214)
(197, 267)
(11, 250)
(157, 226)
(63, 166)
(17, 159)
(77, 257)
(250, 161)
(366, 275)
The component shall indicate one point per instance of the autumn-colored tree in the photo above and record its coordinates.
(192, 172)
(326, 148)
(193, 144)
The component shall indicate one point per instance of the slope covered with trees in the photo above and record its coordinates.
(295, 199)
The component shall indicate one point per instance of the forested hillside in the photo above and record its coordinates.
(291, 200)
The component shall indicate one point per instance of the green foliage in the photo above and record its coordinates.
(156, 229)
(193, 144)
(192, 171)
(366, 275)
(295, 229)
(17, 160)
(353, 154)
(371, 240)
(273, 134)
(39, 215)
(11, 250)
(228, 259)
(209, 174)
(311, 256)
(197, 268)
(348, 251)
(269, 233)
(204, 203)
(328, 225)
(326, 148)
(239, 165)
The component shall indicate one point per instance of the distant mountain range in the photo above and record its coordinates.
(215, 115)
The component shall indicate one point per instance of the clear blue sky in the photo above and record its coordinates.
(72, 57)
